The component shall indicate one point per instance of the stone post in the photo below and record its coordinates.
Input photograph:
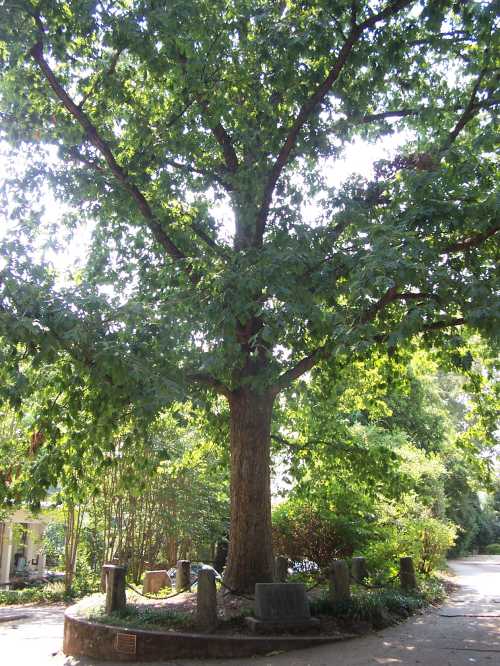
(183, 576)
(359, 570)
(339, 581)
(280, 569)
(407, 577)
(115, 587)
(206, 599)
(154, 581)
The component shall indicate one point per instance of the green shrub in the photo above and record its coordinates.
(304, 530)
(492, 549)
(424, 538)
(49, 593)
(86, 581)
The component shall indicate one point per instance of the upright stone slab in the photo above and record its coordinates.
(339, 588)
(115, 587)
(206, 599)
(407, 577)
(281, 607)
(183, 575)
(154, 581)
(281, 569)
(359, 570)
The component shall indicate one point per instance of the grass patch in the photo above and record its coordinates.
(49, 593)
(140, 618)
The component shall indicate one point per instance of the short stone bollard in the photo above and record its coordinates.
(183, 576)
(115, 587)
(206, 599)
(281, 569)
(339, 588)
(359, 570)
(154, 581)
(407, 577)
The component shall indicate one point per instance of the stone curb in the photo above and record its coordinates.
(11, 618)
(102, 641)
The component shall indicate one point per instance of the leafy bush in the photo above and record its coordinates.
(404, 531)
(50, 593)
(303, 530)
(492, 549)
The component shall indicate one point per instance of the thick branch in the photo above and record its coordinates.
(304, 365)
(404, 113)
(447, 323)
(75, 154)
(470, 111)
(392, 294)
(472, 241)
(119, 172)
(310, 107)
(225, 142)
(209, 380)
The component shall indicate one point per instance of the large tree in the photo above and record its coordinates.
(144, 117)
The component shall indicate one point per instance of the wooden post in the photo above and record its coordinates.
(407, 577)
(339, 581)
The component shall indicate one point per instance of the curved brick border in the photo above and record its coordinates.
(91, 639)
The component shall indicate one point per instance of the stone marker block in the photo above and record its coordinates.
(154, 581)
(407, 577)
(183, 575)
(281, 569)
(206, 599)
(281, 607)
(339, 588)
(115, 587)
(359, 570)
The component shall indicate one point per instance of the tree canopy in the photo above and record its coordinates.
(196, 141)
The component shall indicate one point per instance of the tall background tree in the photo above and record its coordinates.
(146, 119)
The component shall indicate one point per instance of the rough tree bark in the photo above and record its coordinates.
(250, 557)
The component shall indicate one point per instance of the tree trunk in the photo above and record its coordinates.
(250, 557)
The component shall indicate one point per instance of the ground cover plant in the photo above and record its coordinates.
(141, 618)
(380, 607)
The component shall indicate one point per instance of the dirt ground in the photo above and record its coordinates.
(465, 631)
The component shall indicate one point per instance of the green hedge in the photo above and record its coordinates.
(492, 549)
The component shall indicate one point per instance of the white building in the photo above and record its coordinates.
(21, 546)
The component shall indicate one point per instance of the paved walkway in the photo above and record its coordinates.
(465, 632)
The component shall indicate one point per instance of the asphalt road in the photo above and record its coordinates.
(464, 632)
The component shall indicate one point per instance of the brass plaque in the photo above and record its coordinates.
(126, 643)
